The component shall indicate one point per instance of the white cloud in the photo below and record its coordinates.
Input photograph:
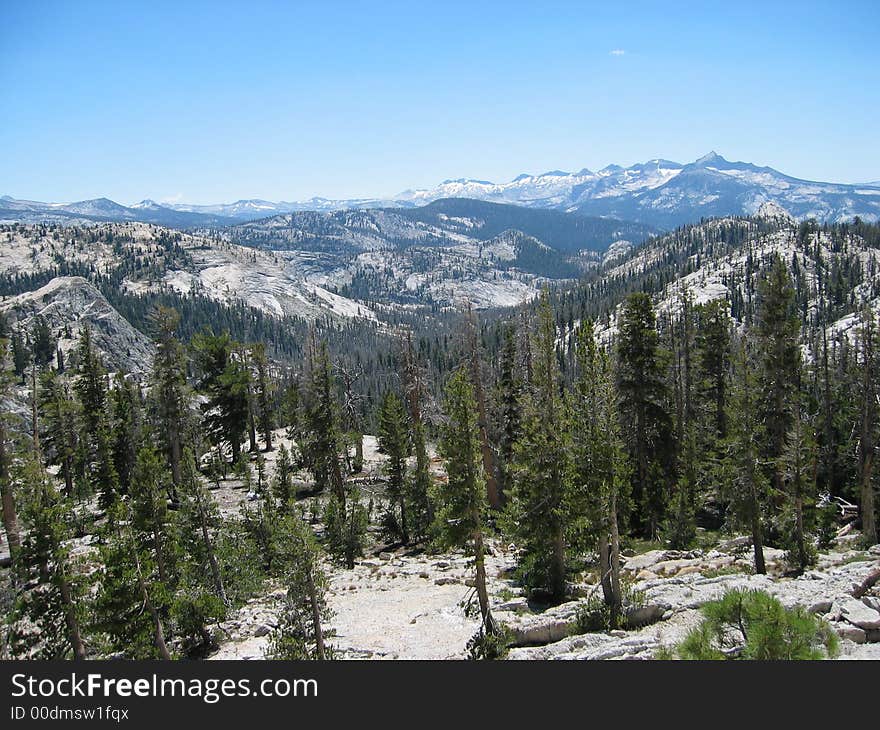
(617, 52)
(172, 198)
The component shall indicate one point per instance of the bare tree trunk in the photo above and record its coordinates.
(480, 575)
(209, 546)
(316, 618)
(79, 651)
(866, 585)
(615, 563)
(158, 633)
(605, 569)
(757, 536)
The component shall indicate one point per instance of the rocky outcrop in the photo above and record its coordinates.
(68, 303)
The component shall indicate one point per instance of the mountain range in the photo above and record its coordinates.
(657, 193)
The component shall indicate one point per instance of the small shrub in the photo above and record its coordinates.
(490, 645)
(751, 624)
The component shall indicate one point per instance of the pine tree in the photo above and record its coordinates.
(645, 419)
(91, 389)
(149, 511)
(263, 399)
(169, 390)
(59, 416)
(779, 359)
(131, 600)
(868, 424)
(346, 528)
(320, 435)
(475, 363)
(745, 479)
(43, 343)
(300, 633)
(461, 502)
(127, 415)
(509, 397)
(682, 527)
(601, 474)
(542, 472)
(420, 482)
(52, 591)
(90, 384)
(21, 355)
(7, 494)
(713, 358)
(225, 381)
(799, 478)
(200, 597)
(394, 442)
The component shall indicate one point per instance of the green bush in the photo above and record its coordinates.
(490, 645)
(752, 624)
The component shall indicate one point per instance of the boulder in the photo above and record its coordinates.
(821, 607)
(857, 613)
(672, 567)
(850, 632)
(542, 632)
(643, 615)
(645, 560)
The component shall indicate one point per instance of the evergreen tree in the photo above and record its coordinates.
(779, 360)
(7, 493)
(713, 359)
(643, 412)
(97, 453)
(420, 482)
(346, 527)
(200, 597)
(265, 421)
(601, 472)
(131, 600)
(59, 415)
(799, 477)
(21, 355)
(475, 363)
(868, 424)
(225, 381)
(169, 390)
(50, 600)
(320, 435)
(461, 503)
(300, 632)
(509, 397)
(44, 343)
(744, 476)
(394, 442)
(542, 472)
(127, 413)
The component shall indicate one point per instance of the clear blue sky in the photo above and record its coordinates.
(210, 102)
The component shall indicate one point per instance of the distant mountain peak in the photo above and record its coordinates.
(708, 159)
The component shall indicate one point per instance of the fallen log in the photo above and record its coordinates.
(867, 584)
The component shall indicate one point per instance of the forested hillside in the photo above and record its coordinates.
(712, 391)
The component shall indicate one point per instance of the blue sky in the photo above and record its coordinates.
(209, 102)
